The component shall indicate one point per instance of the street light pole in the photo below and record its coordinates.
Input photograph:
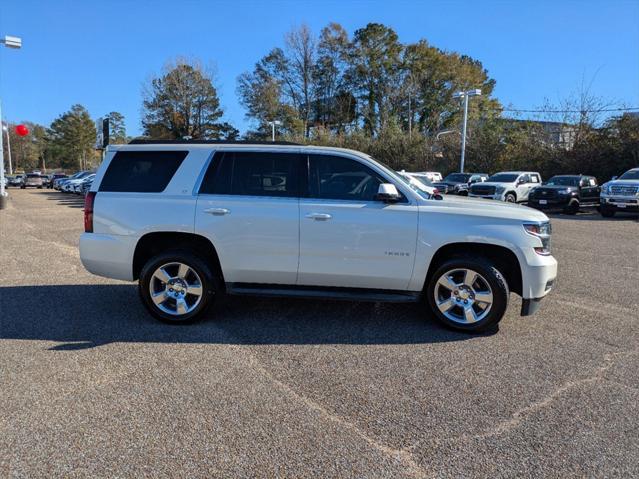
(9, 42)
(273, 123)
(464, 95)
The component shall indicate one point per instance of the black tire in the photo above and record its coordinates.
(607, 212)
(510, 198)
(490, 274)
(572, 208)
(209, 281)
(22, 187)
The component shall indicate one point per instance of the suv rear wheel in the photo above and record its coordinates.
(468, 294)
(177, 287)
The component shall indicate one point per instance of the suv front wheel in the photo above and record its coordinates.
(468, 294)
(177, 287)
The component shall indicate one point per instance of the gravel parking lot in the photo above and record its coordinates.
(91, 385)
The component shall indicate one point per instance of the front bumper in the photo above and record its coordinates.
(539, 274)
(496, 196)
(550, 204)
(620, 203)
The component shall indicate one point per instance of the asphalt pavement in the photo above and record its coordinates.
(92, 386)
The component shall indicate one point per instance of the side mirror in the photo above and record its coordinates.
(387, 192)
(614, 178)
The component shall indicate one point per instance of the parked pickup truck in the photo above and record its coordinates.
(509, 186)
(620, 194)
(191, 221)
(567, 193)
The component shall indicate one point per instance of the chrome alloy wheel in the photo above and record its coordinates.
(176, 288)
(463, 296)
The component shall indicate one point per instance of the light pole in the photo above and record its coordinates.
(5, 127)
(465, 95)
(273, 124)
(9, 42)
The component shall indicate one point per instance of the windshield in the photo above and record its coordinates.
(504, 178)
(563, 181)
(630, 175)
(458, 178)
(33, 175)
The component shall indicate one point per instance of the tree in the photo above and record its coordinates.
(335, 103)
(183, 102)
(117, 128)
(72, 136)
(375, 70)
(27, 152)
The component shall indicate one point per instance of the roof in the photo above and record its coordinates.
(143, 141)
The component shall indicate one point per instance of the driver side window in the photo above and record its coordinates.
(338, 178)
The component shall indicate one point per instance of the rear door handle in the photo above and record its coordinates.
(217, 211)
(319, 216)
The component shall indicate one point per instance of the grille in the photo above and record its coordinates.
(623, 190)
(482, 190)
(543, 194)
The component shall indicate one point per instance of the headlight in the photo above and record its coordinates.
(564, 192)
(605, 189)
(543, 232)
(500, 189)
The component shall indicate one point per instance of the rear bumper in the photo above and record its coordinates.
(110, 256)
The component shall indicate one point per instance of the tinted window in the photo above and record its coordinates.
(630, 175)
(253, 174)
(337, 178)
(141, 171)
(563, 181)
(503, 178)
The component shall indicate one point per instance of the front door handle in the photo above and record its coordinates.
(319, 216)
(217, 211)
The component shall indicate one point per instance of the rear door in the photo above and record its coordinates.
(248, 207)
(348, 238)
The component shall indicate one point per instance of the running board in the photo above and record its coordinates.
(347, 294)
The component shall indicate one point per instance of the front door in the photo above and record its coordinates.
(248, 207)
(347, 237)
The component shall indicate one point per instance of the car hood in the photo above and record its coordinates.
(493, 183)
(484, 208)
(622, 182)
(556, 187)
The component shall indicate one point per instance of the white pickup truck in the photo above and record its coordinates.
(191, 221)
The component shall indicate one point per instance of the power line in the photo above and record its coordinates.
(570, 111)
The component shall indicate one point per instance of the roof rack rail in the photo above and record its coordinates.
(142, 141)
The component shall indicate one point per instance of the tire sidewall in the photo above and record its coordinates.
(210, 285)
(492, 275)
(510, 195)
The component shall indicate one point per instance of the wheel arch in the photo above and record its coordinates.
(505, 260)
(156, 242)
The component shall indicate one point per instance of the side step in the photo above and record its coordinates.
(347, 294)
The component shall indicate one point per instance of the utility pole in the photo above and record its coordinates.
(5, 127)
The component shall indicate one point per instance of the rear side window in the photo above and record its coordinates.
(141, 171)
(253, 174)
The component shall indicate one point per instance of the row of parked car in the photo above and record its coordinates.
(566, 193)
(34, 179)
(79, 183)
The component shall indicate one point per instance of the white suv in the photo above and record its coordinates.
(194, 220)
(509, 186)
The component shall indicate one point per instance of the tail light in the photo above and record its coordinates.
(89, 200)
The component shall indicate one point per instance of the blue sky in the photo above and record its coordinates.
(99, 53)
